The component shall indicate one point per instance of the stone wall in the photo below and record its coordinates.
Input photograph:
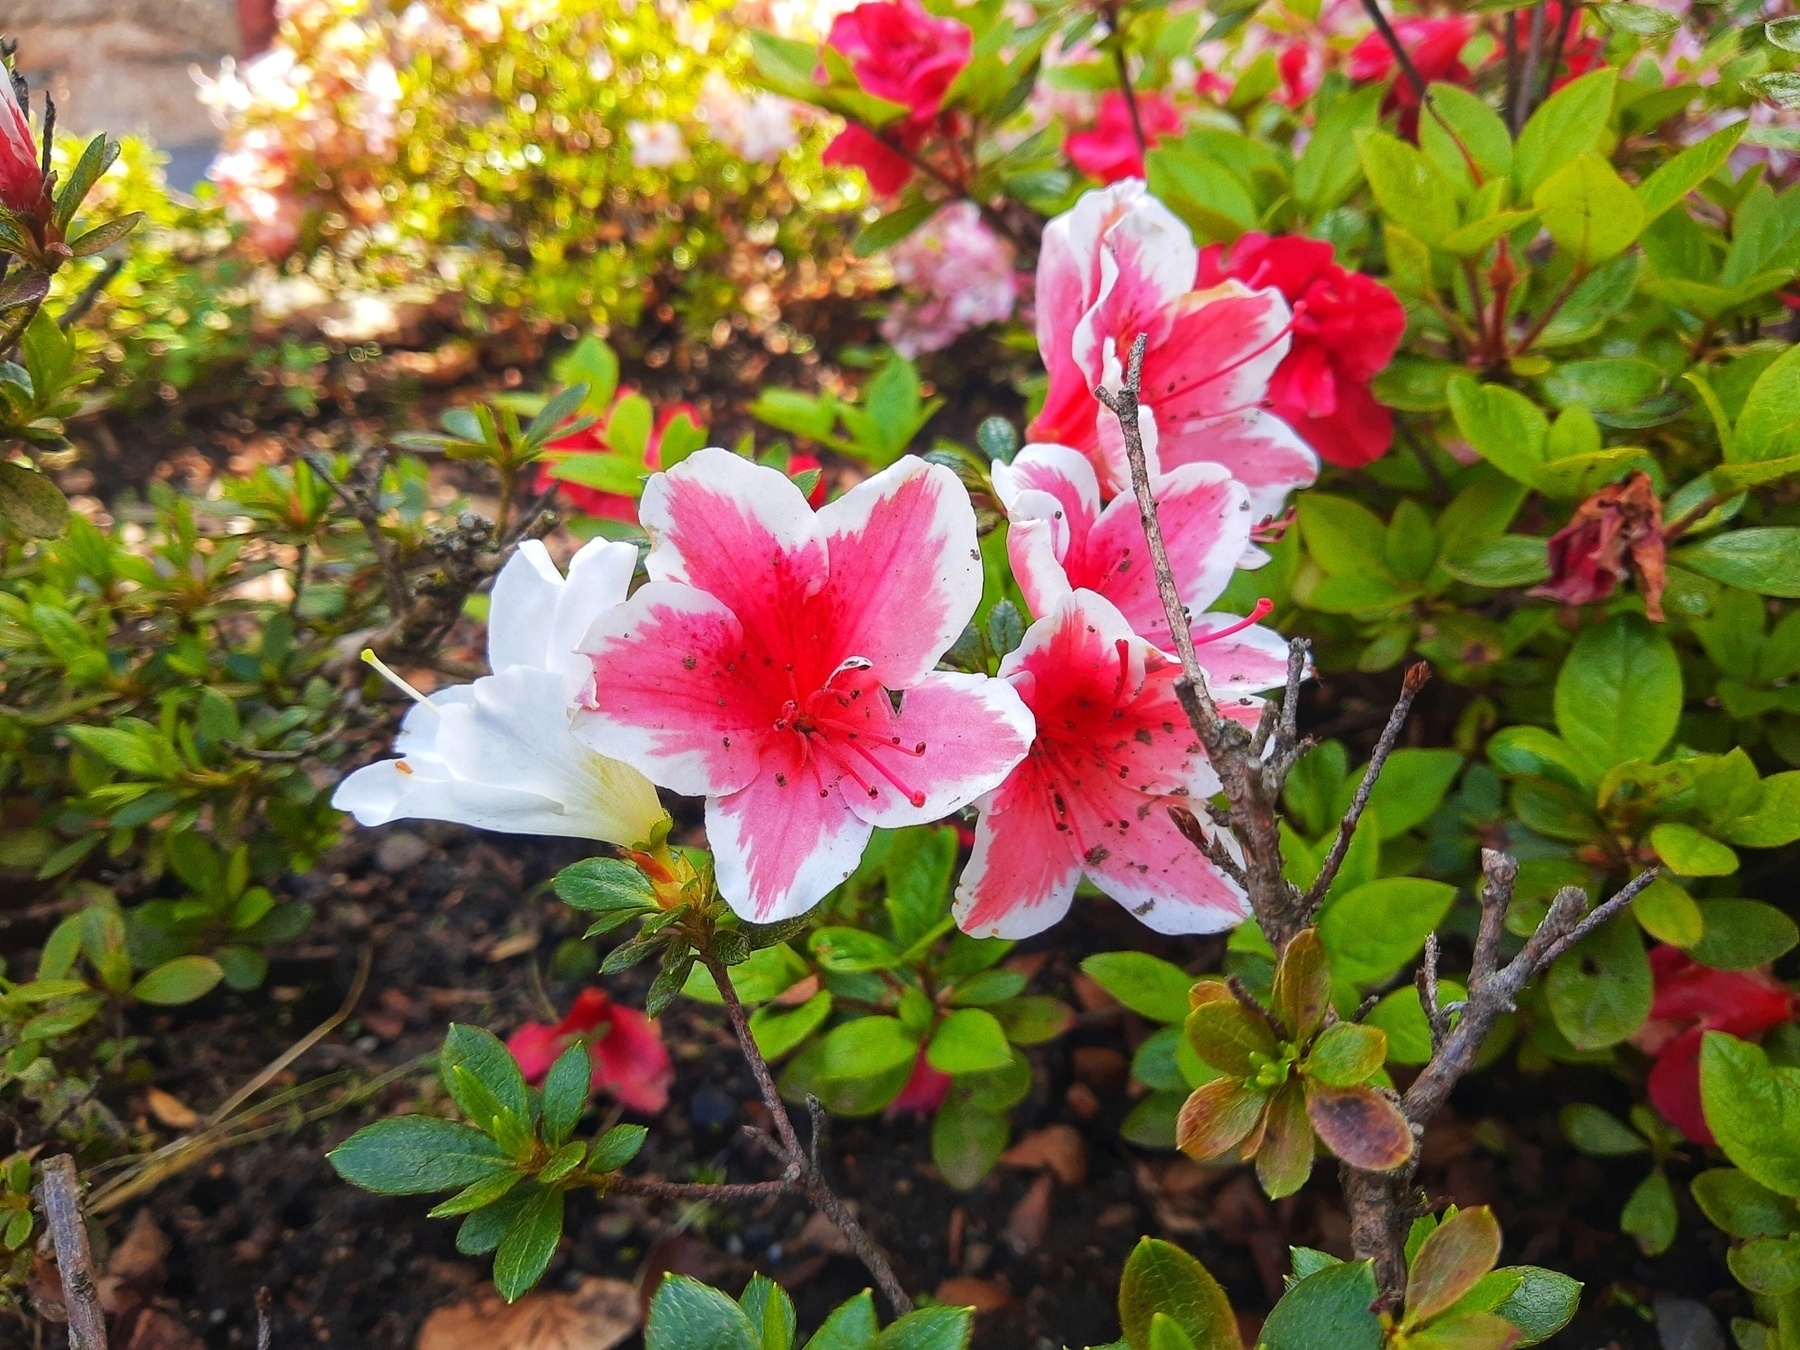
(123, 65)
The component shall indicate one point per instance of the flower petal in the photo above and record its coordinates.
(1247, 662)
(973, 730)
(1147, 264)
(1222, 347)
(905, 570)
(632, 1063)
(667, 693)
(1021, 876)
(1052, 499)
(535, 618)
(1205, 517)
(783, 843)
(1263, 453)
(535, 1047)
(739, 531)
(1137, 856)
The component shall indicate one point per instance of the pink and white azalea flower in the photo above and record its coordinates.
(758, 668)
(1113, 752)
(1120, 264)
(499, 754)
(1062, 540)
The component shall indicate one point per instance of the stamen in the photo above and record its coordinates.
(912, 795)
(1264, 608)
(388, 673)
(858, 734)
(1123, 648)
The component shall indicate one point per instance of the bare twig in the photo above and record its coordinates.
(1534, 48)
(696, 1190)
(265, 1331)
(1416, 676)
(802, 1166)
(90, 293)
(59, 1196)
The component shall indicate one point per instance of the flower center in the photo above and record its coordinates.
(848, 719)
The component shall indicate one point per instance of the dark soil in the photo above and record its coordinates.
(434, 906)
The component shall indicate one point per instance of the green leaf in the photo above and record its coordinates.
(1160, 1277)
(851, 1326)
(778, 1030)
(1458, 1253)
(1506, 428)
(1410, 788)
(1599, 1133)
(481, 1232)
(1765, 560)
(919, 868)
(1328, 1309)
(1149, 986)
(1401, 1018)
(1600, 990)
(605, 886)
(969, 1040)
(181, 980)
(1742, 1206)
(689, 1315)
(771, 1312)
(1649, 1214)
(1229, 1036)
(1689, 853)
(1373, 930)
(1742, 934)
(616, 1147)
(1754, 1111)
(1619, 693)
(1769, 425)
(1589, 210)
(966, 1141)
(414, 1155)
(891, 227)
(1506, 563)
(866, 1047)
(1478, 127)
(1680, 175)
(1542, 1304)
(850, 950)
(480, 1055)
(566, 1092)
(1410, 189)
(1329, 168)
(96, 158)
(929, 1329)
(1568, 124)
(1345, 1054)
(30, 503)
(1769, 1267)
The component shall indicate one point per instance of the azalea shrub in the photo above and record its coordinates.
(591, 161)
(1454, 339)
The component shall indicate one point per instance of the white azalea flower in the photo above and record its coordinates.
(498, 754)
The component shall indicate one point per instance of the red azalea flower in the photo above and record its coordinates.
(1435, 46)
(1108, 150)
(901, 53)
(1613, 534)
(924, 1092)
(630, 1060)
(1302, 67)
(1691, 1000)
(21, 171)
(1346, 329)
(592, 440)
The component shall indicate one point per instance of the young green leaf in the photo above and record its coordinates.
(1161, 1278)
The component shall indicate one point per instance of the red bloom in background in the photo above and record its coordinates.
(1302, 67)
(1346, 327)
(901, 53)
(924, 1092)
(1435, 46)
(1109, 150)
(630, 1060)
(592, 440)
(1691, 1000)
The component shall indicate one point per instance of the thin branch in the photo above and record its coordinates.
(1534, 45)
(90, 293)
(59, 1195)
(697, 1190)
(1416, 676)
(1401, 56)
(1500, 872)
(1131, 103)
(1571, 13)
(800, 1162)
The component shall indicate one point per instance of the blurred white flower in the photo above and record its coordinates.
(656, 145)
(759, 128)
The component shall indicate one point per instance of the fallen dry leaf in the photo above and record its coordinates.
(1057, 1147)
(798, 992)
(1030, 1219)
(516, 945)
(1101, 1067)
(596, 1315)
(153, 1329)
(171, 1110)
(982, 1295)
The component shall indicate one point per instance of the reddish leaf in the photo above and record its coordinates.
(1216, 1116)
(1458, 1253)
(1285, 1160)
(1360, 1126)
(1302, 984)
